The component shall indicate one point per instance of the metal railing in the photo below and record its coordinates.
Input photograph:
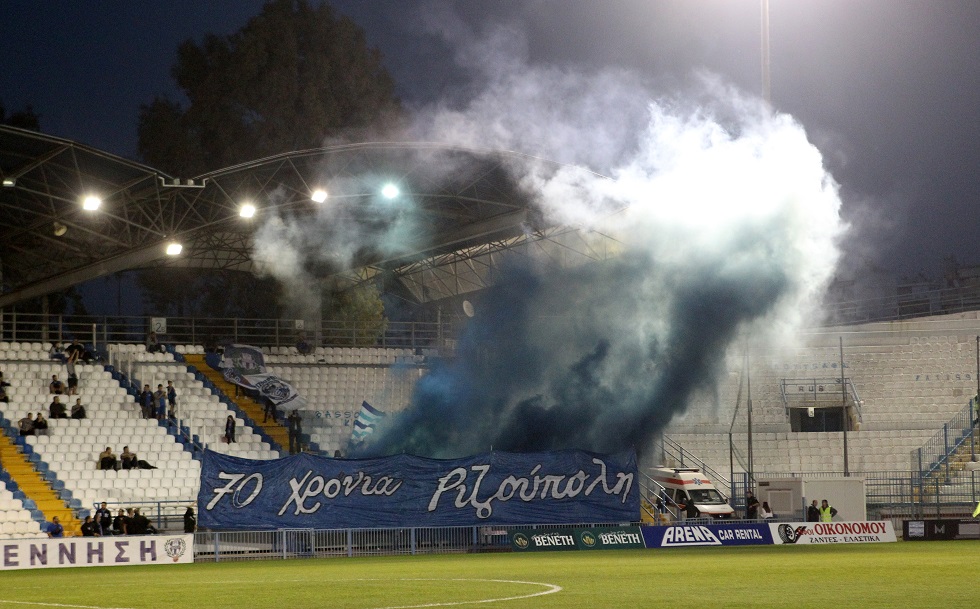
(819, 391)
(103, 329)
(685, 458)
(935, 456)
(284, 544)
(904, 306)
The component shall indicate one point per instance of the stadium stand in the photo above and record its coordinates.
(909, 377)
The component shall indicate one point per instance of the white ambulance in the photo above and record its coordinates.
(686, 484)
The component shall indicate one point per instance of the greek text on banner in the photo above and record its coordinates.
(307, 491)
(96, 552)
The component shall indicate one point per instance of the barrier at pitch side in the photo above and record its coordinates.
(44, 553)
(814, 533)
(690, 535)
(605, 538)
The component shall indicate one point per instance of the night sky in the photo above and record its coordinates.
(888, 90)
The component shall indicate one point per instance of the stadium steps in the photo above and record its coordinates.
(32, 484)
(247, 405)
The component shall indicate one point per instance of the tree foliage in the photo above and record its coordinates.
(354, 316)
(184, 292)
(293, 76)
(25, 119)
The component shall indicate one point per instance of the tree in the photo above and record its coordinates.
(291, 77)
(354, 316)
(25, 119)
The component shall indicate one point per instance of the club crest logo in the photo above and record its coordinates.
(588, 539)
(521, 541)
(175, 548)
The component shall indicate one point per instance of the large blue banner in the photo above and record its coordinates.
(306, 491)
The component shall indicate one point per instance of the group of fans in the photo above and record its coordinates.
(129, 521)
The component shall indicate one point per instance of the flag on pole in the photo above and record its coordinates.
(365, 423)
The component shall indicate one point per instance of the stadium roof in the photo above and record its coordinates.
(468, 215)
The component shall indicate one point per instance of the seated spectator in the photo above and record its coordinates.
(40, 425)
(153, 345)
(57, 352)
(119, 523)
(141, 524)
(304, 347)
(90, 529)
(57, 410)
(74, 352)
(3, 382)
(77, 409)
(766, 511)
(128, 459)
(55, 529)
(56, 387)
(3, 394)
(26, 425)
(107, 460)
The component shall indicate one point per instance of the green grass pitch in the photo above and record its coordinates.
(907, 575)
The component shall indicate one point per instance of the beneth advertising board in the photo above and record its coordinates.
(96, 552)
(605, 538)
(873, 531)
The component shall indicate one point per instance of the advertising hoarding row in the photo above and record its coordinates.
(700, 535)
(95, 552)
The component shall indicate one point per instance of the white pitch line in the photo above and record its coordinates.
(39, 604)
(552, 588)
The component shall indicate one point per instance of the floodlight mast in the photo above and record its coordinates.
(766, 75)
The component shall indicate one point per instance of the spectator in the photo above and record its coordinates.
(56, 410)
(56, 352)
(119, 523)
(813, 512)
(107, 460)
(103, 518)
(766, 512)
(26, 425)
(172, 398)
(3, 382)
(691, 510)
(827, 512)
(160, 399)
(270, 410)
(129, 460)
(230, 429)
(141, 524)
(74, 352)
(55, 386)
(40, 425)
(77, 410)
(3, 394)
(751, 506)
(72, 383)
(90, 529)
(153, 345)
(146, 402)
(190, 522)
(295, 425)
(337, 454)
(55, 529)
(304, 347)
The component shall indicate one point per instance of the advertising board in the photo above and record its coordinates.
(43, 553)
(872, 531)
(685, 535)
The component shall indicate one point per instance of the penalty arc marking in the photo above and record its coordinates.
(550, 589)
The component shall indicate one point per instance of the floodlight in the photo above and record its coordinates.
(9, 182)
(91, 203)
(319, 195)
(59, 229)
(390, 191)
(174, 248)
(247, 210)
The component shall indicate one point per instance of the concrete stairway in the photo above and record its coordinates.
(249, 406)
(35, 487)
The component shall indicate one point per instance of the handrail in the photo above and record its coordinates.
(936, 453)
(662, 499)
(104, 329)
